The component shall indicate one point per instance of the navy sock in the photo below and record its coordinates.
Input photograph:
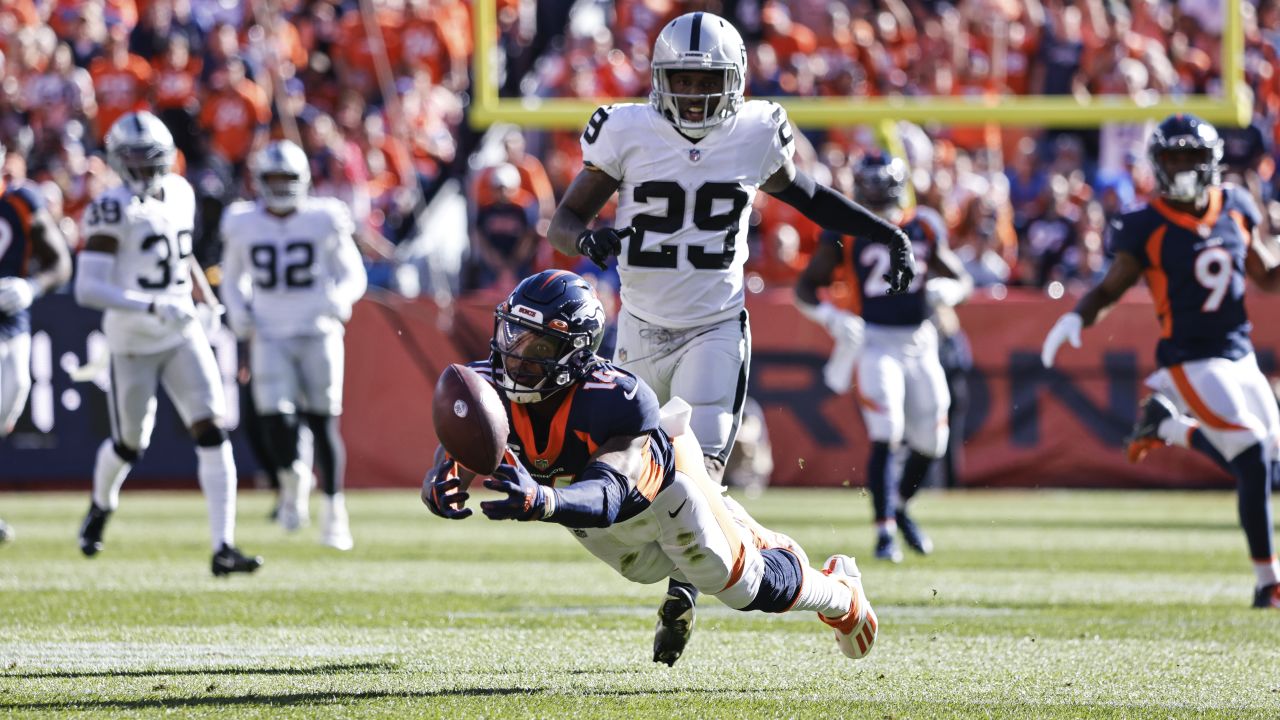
(1200, 442)
(693, 591)
(1253, 497)
(914, 472)
(878, 481)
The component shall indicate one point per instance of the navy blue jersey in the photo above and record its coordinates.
(609, 403)
(18, 208)
(870, 262)
(1194, 267)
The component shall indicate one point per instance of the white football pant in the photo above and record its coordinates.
(298, 374)
(189, 374)
(15, 379)
(902, 388)
(1231, 399)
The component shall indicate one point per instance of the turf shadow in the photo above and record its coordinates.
(309, 670)
(316, 698)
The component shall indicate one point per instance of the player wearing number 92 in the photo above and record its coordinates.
(1194, 244)
(686, 167)
(291, 273)
(137, 267)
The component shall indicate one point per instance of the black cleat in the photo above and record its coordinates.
(675, 625)
(887, 548)
(230, 560)
(911, 532)
(6, 532)
(1146, 431)
(91, 530)
(1267, 596)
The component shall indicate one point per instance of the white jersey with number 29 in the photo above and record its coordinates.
(153, 256)
(689, 203)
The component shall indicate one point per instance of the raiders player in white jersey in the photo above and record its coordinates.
(291, 273)
(137, 267)
(686, 167)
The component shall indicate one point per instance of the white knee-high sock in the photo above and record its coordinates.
(109, 472)
(217, 471)
(823, 594)
(1177, 430)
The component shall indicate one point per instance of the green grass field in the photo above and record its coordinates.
(1046, 604)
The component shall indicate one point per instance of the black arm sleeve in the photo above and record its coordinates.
(592, 501)
(836, 212)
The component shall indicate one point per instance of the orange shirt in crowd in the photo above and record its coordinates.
(175, 87)
(124, 12)
(357, 52)
(119, 90)
(425, 44)
(533, 180)
(233, 117)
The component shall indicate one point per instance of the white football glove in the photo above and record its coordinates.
(944, 291)
(172, 310)
(210, 317)
(1067, 329)
(16, 294)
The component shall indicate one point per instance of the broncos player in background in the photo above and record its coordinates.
(686, 166)
(291, 273)
(33, 261)
(901, 388)
(589, 450)
(137, 266)
(1194, 245)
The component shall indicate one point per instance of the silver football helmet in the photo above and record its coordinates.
(699, 41)
(281, 175)
(140, 149)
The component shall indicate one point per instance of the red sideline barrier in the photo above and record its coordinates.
(1027, 426)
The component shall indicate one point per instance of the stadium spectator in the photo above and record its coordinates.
(502, 240)
(120, 79)
(235, 114)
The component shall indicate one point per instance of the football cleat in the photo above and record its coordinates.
(911, 532)
(1267, 596)
(335, 528)
(230, 560)
(91, 530)
(675, 625)
(855, 630)
(6, 532)
(1146, 431)
(887, 548)
(293, 516)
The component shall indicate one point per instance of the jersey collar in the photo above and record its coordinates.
(1202, 225)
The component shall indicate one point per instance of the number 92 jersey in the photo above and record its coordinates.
(1194, 268)
(689, 204)
(153, 256)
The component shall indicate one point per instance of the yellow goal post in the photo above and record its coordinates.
(1231, 107)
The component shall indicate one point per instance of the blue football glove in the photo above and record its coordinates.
(599, 245)
(526, 499)
(902, 264)
(442, 493)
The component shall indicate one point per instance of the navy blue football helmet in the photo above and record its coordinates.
(545, 336)
(1185, 154)
(880, 180)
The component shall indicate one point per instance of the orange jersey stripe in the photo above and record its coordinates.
(1158, 281)
(650, 480)
(1198, 406)
(1187, 220)
(555, 436)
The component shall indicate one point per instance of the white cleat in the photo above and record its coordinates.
(335, 528)
(293, 517)
(856, 630)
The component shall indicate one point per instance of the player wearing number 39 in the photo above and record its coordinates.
(685, 167)
(291, 273)
(137, 267)
(1194, 244)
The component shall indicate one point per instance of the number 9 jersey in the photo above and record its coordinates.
(1194, 268)
(689, 203)
(153, 256)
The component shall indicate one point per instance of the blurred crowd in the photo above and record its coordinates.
(376, 92)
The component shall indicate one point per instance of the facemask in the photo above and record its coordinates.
(1185, 186)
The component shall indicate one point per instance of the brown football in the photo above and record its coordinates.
(470, 419)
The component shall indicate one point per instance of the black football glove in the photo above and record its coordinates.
(902, 264)
(442, 493)
(526, 499)
(600, 244)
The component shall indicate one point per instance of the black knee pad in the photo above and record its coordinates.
(212, 436)
(127, 453)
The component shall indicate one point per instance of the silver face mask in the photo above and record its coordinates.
(1185, 186)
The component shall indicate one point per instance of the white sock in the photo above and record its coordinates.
(822, 593)
(217, 471)
(1177, 430)
(109, 472)
(335, 501)
(1267, 571)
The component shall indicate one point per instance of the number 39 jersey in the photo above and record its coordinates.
(689, 204)
(153, 256)
(291, 263)
(1194, 268)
